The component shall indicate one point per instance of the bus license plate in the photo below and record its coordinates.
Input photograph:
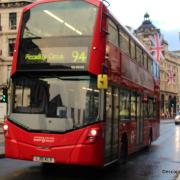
(43, 159)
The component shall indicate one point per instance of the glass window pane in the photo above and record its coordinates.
(145, 61)
(155, 110)
(149, 65)
(133, 105)
(124, 42)
(139, 55)
(116, 104)
(113, 33)
(145, 108)
(133, 50)
(150, 108)
(138, 106)
(109, 103)
(18, 100)
(72, 98)
(124, 104)
(12, 20)
(59, 16)
(11, 43)
(26, 93)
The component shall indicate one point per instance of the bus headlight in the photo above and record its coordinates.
(93, 132)
(92, 135)
(5, 129)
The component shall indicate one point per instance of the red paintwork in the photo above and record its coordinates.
(97, 52)
(127, 127)
(68, 148)
(127, 78)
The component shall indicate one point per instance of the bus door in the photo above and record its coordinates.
(111, 125)
(140, 125)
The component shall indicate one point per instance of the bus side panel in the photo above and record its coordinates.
(129, 128)
(97, 52)
(151, 125)
(147, 128)
(88, 154)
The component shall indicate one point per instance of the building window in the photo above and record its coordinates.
(12, 20)
(11, 43)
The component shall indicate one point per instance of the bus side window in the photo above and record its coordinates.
(113, 33)
(139, 55)
(115, 104)
(133, 50)
(155, 109)
(150, 108)
(145, 109)
(149, 65)
(133, 105)
(124, 42)
(145, 62)
(124, 104)
(109, 103)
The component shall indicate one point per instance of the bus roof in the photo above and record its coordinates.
(94, 2)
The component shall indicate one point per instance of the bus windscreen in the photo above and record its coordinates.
(69, 102)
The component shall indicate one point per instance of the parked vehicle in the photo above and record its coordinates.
(177, 118)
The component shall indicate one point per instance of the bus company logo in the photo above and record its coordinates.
(43, 139)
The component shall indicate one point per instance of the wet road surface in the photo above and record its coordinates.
(161, 162)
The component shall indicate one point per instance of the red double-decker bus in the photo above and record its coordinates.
(84, 90)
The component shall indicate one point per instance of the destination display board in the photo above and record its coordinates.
(55, 55)
(69, 57)
(71, 53)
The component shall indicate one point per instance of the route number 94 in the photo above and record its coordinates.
(79, 56)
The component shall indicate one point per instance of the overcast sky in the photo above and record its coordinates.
(165, 15)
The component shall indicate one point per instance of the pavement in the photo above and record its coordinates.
(167, 120)
(2, 136)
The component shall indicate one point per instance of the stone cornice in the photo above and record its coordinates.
(8, 63)
(6, 33)
(5, 5)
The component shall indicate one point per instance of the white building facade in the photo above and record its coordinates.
(10, 12)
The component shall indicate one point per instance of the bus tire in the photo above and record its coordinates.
(124, 151)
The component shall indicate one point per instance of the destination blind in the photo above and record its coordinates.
(57, 55)
(71, 57)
